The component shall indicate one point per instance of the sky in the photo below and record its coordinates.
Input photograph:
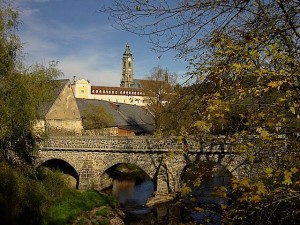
(84, 41)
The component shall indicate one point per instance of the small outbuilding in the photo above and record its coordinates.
(101, 117)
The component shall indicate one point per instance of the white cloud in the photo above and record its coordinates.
(84, 67)
(89, 50)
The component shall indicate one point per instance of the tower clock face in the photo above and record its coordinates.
(129, 59)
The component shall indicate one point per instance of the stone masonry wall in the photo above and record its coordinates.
(162, 159)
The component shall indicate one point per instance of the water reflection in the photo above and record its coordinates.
(132, 197)
(200, 207)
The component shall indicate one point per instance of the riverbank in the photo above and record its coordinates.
(101, 215)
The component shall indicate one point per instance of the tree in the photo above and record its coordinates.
(26, 191)
(22, 90)
(158, 91)
(244, 57)
(188, 25)
(256, 80)
(160, 74)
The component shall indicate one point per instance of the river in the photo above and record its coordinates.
(199, 207)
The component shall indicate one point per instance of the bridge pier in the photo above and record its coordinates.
(163, 159)
(162, 187)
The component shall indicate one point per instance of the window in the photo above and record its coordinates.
(82, 91)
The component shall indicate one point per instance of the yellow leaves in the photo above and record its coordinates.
(276, 184)
(251, 158)
(261, 189)
(237, 67)
(254, 198)
(274, 47)
(254, 53)
(264, 134)
(203, 126)
(250, 145)
(269, 172)
(294, 170)
(275, 84)
(241, 148)
(282, 99)
(251, 191)
(288, 175)
(245, 182)
(241, 93)
(220, 191)
(197, 182)
(223, 207)
(261, 115)
(185, 191)
(292, 109)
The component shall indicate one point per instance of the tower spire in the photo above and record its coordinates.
(127, 49)
(127, 68)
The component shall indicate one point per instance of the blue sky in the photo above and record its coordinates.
(84, 42)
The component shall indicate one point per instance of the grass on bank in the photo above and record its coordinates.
(73, 203)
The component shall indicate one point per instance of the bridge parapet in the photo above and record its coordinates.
(91, 156)
(145, 143)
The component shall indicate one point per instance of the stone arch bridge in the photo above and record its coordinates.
(163, 159)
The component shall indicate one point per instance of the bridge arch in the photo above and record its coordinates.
(108, 161)
(206, 168)
(122, 171)
(63, 166)
(142, 161)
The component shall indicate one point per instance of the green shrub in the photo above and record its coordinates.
(26, 194)
(73, 203)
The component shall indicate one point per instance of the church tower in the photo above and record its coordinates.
(127, 68)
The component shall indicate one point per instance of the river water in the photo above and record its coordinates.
(199, 207)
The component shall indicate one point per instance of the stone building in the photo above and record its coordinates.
(65, 114)
(131, 91)
(114, 119)
(77, 108)
(61, 114)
